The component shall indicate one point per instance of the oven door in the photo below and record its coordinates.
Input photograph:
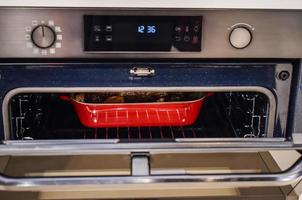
(245, 108)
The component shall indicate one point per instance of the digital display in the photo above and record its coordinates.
(149, 29)
(141, 33)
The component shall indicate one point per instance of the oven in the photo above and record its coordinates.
(153, 97)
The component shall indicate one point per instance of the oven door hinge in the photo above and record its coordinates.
(140, 164)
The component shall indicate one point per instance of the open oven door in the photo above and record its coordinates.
(252, 175)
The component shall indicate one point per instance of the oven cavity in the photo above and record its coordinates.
(143, 116)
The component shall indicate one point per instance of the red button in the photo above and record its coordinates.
(195, 40)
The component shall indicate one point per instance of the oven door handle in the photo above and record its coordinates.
(289, 176)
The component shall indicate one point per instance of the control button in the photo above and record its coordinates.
(178, 29)
(43, 36)
(108, 38)
(97, 38)
(97, 28)
(240, 37)
(196, 28)
(177, 38)
(187, 29)
(108, 28)
(195, 39)
(187, 38)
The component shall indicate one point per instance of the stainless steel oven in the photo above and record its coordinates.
(141, 91)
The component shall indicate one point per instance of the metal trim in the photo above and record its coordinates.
(83, 148)
(188, 5)
(267, 92)
(291, 175)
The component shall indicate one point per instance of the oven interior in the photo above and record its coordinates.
(224, 101)
(43, 116)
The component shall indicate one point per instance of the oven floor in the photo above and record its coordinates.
(120, 165)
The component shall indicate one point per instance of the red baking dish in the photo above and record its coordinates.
(100, 115)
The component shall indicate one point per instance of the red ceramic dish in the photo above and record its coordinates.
(100, 115)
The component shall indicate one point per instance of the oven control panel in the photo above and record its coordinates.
(149, 33)
(142, 33)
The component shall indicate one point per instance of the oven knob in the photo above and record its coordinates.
(240, 37)
(43, 36)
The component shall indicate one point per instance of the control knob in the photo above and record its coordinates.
(240, 37)
(43, 36)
